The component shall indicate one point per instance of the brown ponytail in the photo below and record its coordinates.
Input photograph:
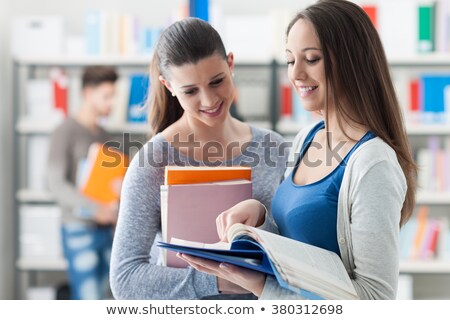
(164, 108)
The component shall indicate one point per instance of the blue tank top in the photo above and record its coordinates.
(308, 213)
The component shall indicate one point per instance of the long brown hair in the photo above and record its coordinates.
(185, 41)
(356, 67)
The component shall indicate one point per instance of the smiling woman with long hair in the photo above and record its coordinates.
(353, 183)
(191, 93)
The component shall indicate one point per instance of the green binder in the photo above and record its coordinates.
(426, 28)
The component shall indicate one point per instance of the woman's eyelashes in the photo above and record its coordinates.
(214, 84)
(308, 61)
(312, 61)
(190, 91)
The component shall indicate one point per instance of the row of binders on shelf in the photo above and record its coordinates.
(53, 98)
(109, 33)
(433, 163)
(112, 33)
(424, 99)
(423, 27)
(425, 238)
(429, 99)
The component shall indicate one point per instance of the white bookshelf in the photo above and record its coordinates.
(113, 60)
(289, 127)
(50, 264)
(35, 196)
(428, 129)
(425, 267)
(137, 128)
(37, 126)
(436, 198)
(83, 60)
(420, 60)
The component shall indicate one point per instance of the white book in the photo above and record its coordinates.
(248, 37)
(75, 94)
(37, 35)
(37, 160)
(405, 287)
(399, 39)
(40, 232)
(442, 238)
(425, 169)
(39, 98)
(118, 114)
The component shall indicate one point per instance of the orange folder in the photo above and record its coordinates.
(104, 173)
(186, 175)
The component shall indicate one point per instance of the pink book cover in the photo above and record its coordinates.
(192, 210)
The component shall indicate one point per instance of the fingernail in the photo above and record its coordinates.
(224, 265)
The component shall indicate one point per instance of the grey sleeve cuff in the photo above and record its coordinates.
(205, 284)
(273, 291)
(268, 224)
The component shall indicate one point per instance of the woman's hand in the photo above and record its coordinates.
(251, 281)
(249, 212)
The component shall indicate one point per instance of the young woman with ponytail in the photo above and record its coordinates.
(191, 94)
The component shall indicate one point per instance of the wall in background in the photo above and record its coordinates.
(6, 177)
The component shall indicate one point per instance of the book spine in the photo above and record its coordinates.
(139, 85)
(422, 219)
(60, 89)
(414, 105)
(426, 31)
(286, 101)
(92, 32)
(435, 96)
(199, 9)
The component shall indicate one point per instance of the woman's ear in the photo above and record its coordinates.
(230, 61)
(166, 84)
(87, 93)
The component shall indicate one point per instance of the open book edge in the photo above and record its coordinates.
(310, 280)
(322, 272)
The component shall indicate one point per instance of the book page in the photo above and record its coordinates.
(300, 264)
(295, 255)
(216, 246)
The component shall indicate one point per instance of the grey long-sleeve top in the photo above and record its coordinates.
(134, 274)
(370, 200)
(69, 144)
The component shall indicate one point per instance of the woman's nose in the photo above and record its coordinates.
(208, 99)
(299, 72)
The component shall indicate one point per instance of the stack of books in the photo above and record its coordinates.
(193, 197)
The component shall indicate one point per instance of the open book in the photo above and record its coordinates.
(312, 272)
